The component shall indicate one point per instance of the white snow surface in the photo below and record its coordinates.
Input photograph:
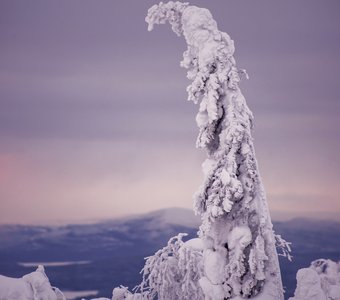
(321, 281)
(194, 244)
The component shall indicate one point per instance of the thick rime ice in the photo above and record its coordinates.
(33, 286)
(321, 281)
(239, 256)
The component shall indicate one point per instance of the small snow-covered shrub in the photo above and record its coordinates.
(173, 271)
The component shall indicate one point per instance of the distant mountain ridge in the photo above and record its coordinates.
(29, 242)
(59, 243)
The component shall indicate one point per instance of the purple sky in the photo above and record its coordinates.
(94, 121)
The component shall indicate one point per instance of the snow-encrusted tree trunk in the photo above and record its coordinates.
(239, 256)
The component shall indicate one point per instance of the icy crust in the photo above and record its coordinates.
(239, 255)
(321, 281)
(33, 286)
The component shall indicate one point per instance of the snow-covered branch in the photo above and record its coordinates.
(284, 247)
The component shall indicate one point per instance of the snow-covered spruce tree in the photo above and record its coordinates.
(239, 255)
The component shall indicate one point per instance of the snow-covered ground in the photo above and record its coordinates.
(321, 281)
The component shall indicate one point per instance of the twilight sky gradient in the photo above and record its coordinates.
(94, 121)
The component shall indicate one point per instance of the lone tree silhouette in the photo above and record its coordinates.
(239, 254)
(235, 255)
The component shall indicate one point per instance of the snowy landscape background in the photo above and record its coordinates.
(94, 127)
(107, 254)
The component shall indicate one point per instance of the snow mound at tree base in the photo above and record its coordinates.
(321, 281)
(32, 286)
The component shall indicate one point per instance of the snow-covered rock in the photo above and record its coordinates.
(321, 281)
(33, 286)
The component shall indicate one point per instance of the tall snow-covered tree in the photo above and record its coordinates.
(239, 254)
